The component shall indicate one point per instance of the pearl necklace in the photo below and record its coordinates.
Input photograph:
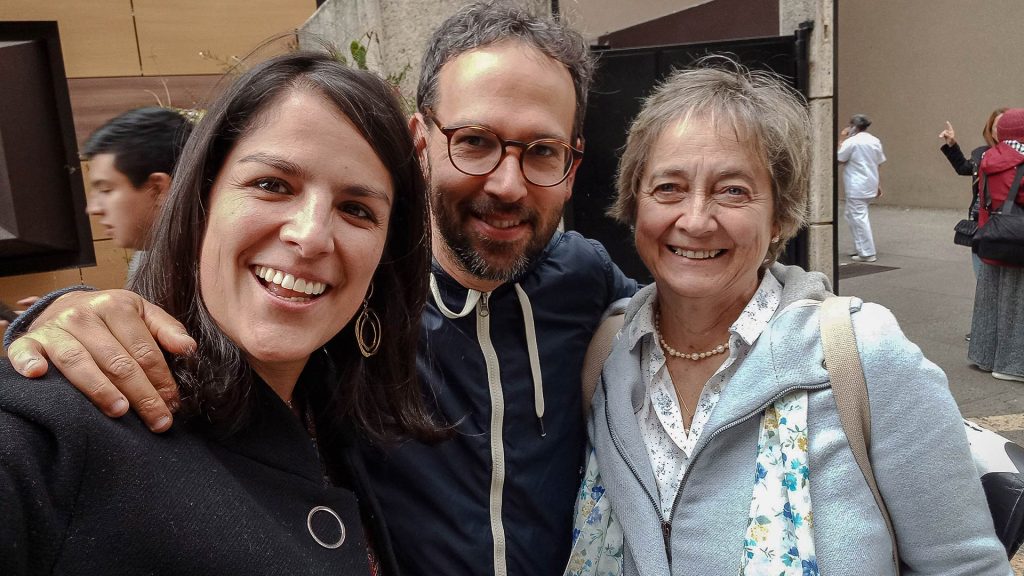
(676, 353)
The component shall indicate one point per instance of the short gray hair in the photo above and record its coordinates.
(860, 121)
(758, 105)
(484, 23)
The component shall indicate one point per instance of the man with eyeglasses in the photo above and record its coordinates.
(513, 305)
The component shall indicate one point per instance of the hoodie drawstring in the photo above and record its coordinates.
(471, 299)
(531, 347)
(531, 338)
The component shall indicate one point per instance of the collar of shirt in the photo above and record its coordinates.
(751, 322)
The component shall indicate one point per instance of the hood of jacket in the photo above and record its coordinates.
(798, 286)
(1000, 158)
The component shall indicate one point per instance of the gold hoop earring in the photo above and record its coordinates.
(368, 344)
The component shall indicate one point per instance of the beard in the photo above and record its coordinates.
(487, 258)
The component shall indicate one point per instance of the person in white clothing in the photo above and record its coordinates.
(860, 153)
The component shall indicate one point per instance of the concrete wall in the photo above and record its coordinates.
(395, 31)
(912, 65)
(821, 231)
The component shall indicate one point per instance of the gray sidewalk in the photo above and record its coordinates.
(930, 289)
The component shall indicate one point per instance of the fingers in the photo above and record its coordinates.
(948, 134)
(127, 353)
(27, 355)
(128, 358)
(3, 326)
(171, 336)
(26, 302)
(102, 344)
(168, 331)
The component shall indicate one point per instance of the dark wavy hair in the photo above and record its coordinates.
(379, 395)
(484, 23)
(143, 142)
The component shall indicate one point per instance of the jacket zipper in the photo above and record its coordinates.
(666, 525)
(483, 327)
(737, 422)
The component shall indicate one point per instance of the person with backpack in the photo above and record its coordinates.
(997, 327)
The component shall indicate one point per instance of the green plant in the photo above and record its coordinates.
(358, 50)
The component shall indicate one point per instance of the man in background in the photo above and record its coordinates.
(860, 153)
(131, 159)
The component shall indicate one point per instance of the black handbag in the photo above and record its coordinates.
(963, 232)
(1002, 236)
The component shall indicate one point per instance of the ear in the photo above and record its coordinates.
(160, 184)
(418, 130)
(571, 178)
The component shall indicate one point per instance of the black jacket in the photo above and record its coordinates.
(81, 493)
(965, 167)
(498, 498)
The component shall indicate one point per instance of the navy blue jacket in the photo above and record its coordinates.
(448, 506)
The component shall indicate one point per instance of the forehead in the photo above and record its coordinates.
(711, 134)
(304, 131)
(510, 86)
(102, 167)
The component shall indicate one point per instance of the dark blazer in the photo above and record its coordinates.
(966, 167)
(81, 493)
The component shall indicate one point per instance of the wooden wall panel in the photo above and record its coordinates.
(94, 101)
(14, 288)
(111, 268)
(172, 34)
(110, 271)
(97, 36)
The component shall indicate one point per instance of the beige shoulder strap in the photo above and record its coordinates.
(597, 352)
(842, 360)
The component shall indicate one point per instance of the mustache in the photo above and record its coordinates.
(487, 206)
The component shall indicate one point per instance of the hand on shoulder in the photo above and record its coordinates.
(108, 345)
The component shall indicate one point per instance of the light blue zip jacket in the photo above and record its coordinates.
(920, 455)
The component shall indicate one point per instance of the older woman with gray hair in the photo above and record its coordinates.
(717, 444)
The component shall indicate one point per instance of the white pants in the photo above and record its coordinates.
(857, 217)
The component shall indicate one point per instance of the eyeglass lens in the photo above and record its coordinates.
(477, 151)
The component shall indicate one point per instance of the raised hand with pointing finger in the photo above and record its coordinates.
(948, 135)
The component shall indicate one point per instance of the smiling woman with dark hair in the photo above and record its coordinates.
(294, 245)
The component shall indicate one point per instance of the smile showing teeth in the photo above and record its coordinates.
(694, 254)
(290, 282)
(501, 223)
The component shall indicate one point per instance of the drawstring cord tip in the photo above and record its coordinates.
(540, 423)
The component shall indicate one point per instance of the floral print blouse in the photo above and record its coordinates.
(669, 443)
